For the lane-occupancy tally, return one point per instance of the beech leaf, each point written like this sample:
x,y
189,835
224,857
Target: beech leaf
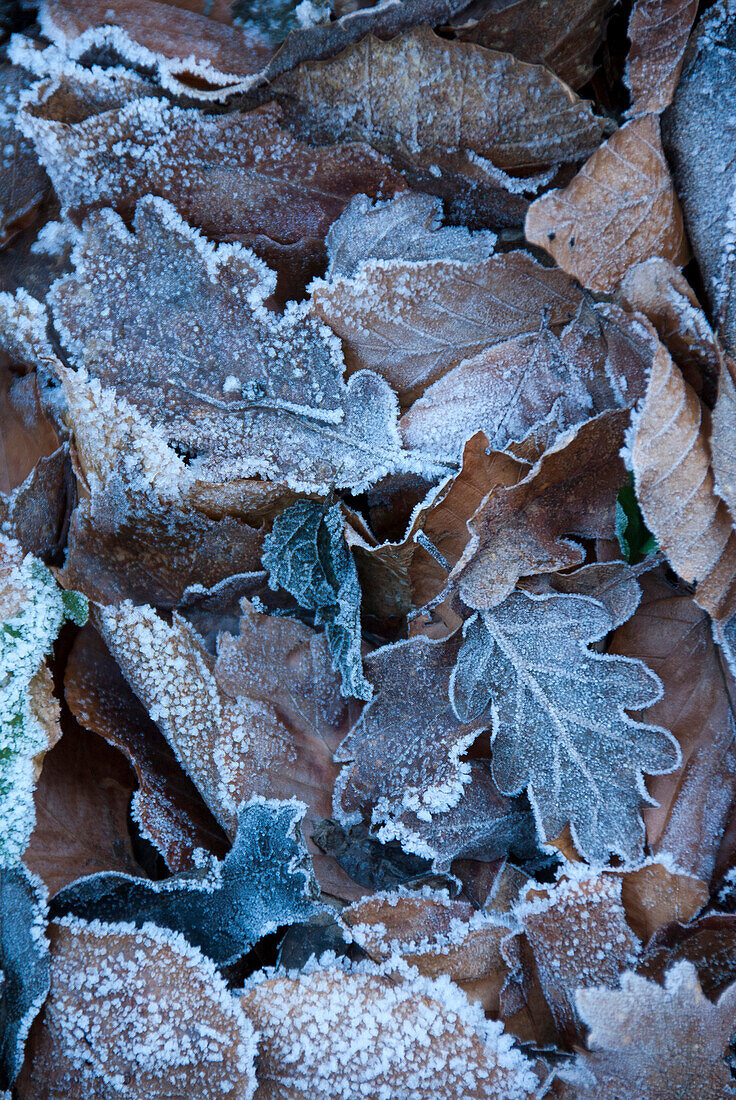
x,y
658,32
306,554
557,710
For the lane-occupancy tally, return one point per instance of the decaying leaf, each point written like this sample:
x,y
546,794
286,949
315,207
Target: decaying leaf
x,y
82,801
136,1013
709,943
619,210
23,182
306,554
412,322
674,637
699,135
558,716
180,329
24,964
658,1043
32,611
658,32
675,487
378,1031
406,227
264,882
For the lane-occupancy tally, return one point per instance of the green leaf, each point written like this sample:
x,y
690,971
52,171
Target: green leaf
x,y
634,537
306,554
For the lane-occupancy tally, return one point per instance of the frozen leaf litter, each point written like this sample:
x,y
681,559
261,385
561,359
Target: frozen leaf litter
x,y
367,568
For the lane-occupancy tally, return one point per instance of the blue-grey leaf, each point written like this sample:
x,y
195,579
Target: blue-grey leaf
x,y
306,554
265,882
24,964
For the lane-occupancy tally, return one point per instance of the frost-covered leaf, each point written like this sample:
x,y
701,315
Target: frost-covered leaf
x,y
307,555
709,943
406,227
264,882
558,718
26,434
36,513
24,964
699,135
82,801
612,583
436,935
564,36
237,177
180,329
167,806
523,529
412,322
658,1043
545,382
378,1031
368,861
723,436
658,32
674,484
23,182
619,210
634,537
136,1013
674,637
32,611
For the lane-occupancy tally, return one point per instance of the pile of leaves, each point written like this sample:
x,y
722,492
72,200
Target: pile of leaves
x,y
367,550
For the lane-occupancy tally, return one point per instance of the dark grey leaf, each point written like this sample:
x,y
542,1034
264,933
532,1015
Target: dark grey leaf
x,y
24,964
264,882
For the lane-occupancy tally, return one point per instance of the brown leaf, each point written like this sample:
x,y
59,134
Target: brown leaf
x,y
520,530
658,1043
675,488
655,894
658,32
564,35
674,637
82,801
544,383
26,434
657,289
438,936
414,322
23,182
372,1032
513,118
136,1013
619,210
723,436
709,943
167,806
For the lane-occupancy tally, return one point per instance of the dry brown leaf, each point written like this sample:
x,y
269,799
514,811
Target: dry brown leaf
x,y
23,182
674,483
656,894
658,32
167,806
536,384
36,514
564,35
413,322
26,435
674,637
709,943
136,1013
619,210
436,935
657,289
521,530
723,435
82,801
658,1043
373,1031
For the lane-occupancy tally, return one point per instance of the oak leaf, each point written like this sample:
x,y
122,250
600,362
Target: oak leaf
x,y
619,210
558,716
658,32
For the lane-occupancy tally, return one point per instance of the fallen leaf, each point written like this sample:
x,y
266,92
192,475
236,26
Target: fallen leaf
x,y
369,862
412,322
265,882
26,434
723,436
709,943
82,801
167,805
191,345
620,210
699,136
372,1031
670,458
36,513
136,1013
521,529
564,35
658,32
24,964
525,669
674,637
23,182
658,1043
